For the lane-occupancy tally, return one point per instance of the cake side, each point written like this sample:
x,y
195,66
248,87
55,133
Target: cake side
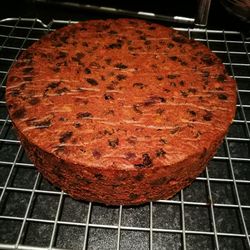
x,y
118,186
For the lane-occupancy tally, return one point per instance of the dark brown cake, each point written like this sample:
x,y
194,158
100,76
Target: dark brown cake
x,y
120,111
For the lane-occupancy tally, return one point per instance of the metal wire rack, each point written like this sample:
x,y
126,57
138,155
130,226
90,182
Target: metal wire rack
x,y
213,213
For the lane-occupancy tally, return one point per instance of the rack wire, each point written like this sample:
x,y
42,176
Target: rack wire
x,y
213,213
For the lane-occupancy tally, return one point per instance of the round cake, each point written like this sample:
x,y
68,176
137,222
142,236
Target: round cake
x,y
120,111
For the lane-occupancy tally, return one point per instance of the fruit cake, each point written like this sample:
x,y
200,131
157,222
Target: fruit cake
x,y
120,111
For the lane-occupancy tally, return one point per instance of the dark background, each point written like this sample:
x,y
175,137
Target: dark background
x,y
219,18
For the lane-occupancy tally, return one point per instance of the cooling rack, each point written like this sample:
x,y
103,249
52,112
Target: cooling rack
x,y
213,213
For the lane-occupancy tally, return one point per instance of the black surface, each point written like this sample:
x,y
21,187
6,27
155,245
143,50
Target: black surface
x,y
219,18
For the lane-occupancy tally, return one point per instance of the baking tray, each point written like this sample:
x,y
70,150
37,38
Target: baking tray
x,y
212,213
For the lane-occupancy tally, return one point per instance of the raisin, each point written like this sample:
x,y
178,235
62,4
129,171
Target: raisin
x,y
129,42
221,78
111,86
183,63
139,32
163,141
181,83
56,69
208,116
108,61
108,97
162,42
131,48
143,37
172,76
160,111
183,93
136,108
77,125
138,85
78,57
92,81
64,39
170,45
58,44
121,77
34,101
160,153
96,154
151,28
197,134
84,115
133,196
146,160
28,78
219,89
99,176
222,96
28,70
139,177
62,90
130,155
40,124
192,90
205,74
191,112
147,42
108,132
65,136
173,58
62,54
121,66
173,84
122,176
15,93
154,99
14,78
87,71
85,44
113,32
62,119
113,143
83,179
19,113
159,78
174,130
115,46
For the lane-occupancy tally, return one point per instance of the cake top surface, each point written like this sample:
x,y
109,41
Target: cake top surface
x,y
120,93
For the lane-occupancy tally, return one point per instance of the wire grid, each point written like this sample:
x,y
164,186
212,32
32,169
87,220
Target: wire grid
x,y
213,213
